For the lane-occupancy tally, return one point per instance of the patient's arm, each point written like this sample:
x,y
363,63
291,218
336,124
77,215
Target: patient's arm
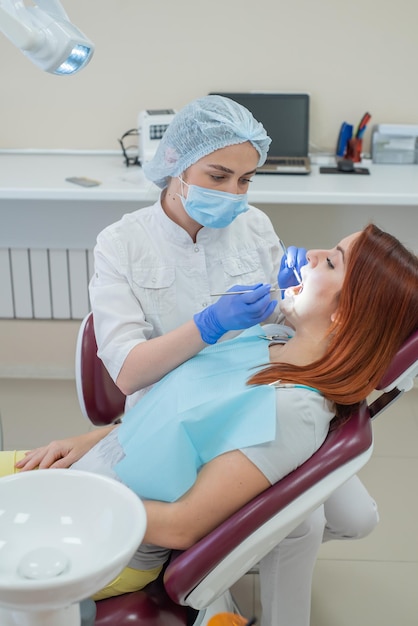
x,y
62,453
222,487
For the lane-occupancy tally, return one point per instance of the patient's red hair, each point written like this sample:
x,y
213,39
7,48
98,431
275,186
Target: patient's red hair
x,y
377,311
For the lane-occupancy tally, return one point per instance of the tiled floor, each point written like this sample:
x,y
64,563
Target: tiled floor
x,y
363,583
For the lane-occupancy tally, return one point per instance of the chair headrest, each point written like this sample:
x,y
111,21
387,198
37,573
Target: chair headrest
x,y
404,367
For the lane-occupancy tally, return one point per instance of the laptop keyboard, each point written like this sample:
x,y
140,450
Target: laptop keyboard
x,y
287,161
285,165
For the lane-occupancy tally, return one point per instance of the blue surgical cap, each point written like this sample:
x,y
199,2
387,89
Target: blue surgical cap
x,y
200,128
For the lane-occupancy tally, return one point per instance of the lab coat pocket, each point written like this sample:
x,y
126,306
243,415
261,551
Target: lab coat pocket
x,y
155,289
245,270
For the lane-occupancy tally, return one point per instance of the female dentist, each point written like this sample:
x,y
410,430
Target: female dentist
x,y
152,296
160,266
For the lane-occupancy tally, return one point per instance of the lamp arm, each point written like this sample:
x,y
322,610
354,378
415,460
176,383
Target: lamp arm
x,y
53,7
16,26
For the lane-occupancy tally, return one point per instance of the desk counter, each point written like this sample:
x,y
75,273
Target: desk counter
x,y
31,176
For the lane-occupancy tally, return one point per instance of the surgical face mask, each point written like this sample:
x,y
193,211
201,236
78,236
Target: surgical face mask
x,y
215,209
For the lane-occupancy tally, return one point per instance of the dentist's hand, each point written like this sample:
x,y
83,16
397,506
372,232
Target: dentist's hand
x,y
295,259
235,312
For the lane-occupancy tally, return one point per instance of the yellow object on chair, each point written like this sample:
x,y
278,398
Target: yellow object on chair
x,y
8,460
128,580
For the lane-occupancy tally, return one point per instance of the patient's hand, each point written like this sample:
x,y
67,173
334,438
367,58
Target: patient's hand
x,y
62,453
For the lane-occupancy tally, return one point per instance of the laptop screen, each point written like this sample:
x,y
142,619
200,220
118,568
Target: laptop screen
x,y
285,116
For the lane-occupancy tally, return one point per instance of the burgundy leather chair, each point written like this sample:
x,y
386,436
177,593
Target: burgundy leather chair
x,y
198,577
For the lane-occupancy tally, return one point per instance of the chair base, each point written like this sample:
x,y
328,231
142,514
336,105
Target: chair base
x,y
153,607
150,606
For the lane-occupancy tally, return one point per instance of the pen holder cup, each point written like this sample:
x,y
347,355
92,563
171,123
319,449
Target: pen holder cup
x,y
354,148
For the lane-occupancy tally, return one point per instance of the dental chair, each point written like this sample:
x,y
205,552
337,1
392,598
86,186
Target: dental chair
x,y
196,580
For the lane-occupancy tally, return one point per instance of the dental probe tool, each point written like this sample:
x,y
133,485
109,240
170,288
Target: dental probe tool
x,y
236,293
294,270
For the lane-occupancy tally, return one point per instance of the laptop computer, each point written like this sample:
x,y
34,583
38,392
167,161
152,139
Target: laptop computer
x,y
285,116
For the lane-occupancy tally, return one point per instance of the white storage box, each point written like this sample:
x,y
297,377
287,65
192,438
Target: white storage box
x,y
395,143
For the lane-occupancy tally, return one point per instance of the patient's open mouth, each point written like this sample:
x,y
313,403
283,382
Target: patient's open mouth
x,y
294,291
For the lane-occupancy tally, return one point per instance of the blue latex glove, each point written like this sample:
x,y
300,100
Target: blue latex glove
x,y
295,258
235,312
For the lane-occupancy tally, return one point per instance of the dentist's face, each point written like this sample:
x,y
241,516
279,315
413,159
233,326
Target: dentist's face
x,y
227,169
322,279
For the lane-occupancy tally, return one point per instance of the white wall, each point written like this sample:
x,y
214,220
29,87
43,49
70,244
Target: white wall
x,y
351,57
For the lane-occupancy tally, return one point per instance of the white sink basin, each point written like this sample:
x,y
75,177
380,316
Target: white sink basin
x,y
64,534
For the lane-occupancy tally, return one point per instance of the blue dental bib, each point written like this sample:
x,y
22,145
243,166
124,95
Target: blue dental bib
x,y
198,411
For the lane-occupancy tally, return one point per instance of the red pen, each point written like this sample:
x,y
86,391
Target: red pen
x,y
363,122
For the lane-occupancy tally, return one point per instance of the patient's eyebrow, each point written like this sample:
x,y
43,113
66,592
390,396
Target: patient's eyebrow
x,y
342,252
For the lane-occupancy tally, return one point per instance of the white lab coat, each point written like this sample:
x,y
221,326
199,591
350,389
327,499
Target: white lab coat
x,y
150,277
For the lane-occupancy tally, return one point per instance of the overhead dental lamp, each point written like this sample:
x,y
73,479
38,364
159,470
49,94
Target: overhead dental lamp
x,y
44,33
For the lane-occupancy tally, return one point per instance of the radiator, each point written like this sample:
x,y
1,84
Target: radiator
x,y
44,284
